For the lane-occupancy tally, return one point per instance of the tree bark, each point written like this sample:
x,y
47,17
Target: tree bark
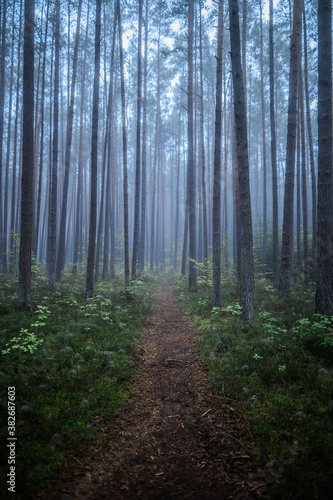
x,y
273,151
124,133
24,291
190,160
136,236
94,157
324,289
310,139
69,135
288,209
246,271
144,151
217,298
55,145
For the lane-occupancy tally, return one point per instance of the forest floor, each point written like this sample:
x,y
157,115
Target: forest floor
x,y
171,439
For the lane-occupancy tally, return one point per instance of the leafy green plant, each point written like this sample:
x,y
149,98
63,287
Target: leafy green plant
x,y
25,342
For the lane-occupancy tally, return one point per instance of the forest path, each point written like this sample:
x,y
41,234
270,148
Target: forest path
x,y
172,440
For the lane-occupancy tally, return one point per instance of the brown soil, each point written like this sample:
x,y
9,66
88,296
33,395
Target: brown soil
x,y
173,440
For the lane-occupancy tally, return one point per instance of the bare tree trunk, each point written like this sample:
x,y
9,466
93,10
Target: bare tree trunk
x,y
191,165
79,191
273,151
144,151
12,263
136,236
177,195
310,139
2,102
246,275
304,183
94,157
217,298
288,209
264,160
9,136
202,158
69,135
24,291
53,201
324,292
123,112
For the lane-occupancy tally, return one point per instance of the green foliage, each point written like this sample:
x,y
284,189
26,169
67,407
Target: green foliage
x,y
71,368
277,374
26,342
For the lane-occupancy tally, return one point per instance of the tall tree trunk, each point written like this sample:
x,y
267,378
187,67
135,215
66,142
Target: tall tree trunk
x,y
12,263
152,226
125,181
2,103
310,140
79,191
24,291
144,151
298,200
202,156
94,157
288,209
246,274
190,160
177,195
264,162
54,190
41,153
273,151
304,183
136,236
106,165
217,299
9,136
69,135
324,291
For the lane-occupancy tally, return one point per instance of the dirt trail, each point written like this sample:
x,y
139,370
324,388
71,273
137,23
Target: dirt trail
x,y
172,441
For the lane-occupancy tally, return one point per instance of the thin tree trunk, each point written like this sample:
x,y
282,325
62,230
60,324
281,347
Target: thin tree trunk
x,y
106,164
310,139
69,135
125,181
79,191
136,236
12,263
202,156
177,195
2,102
24,291
53,201
264,160
273,151
41,153
217,298
9,136
144,151
94,158
190,160
304,183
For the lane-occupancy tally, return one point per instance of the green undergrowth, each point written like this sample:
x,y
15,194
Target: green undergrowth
x,y
277,373
71,361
